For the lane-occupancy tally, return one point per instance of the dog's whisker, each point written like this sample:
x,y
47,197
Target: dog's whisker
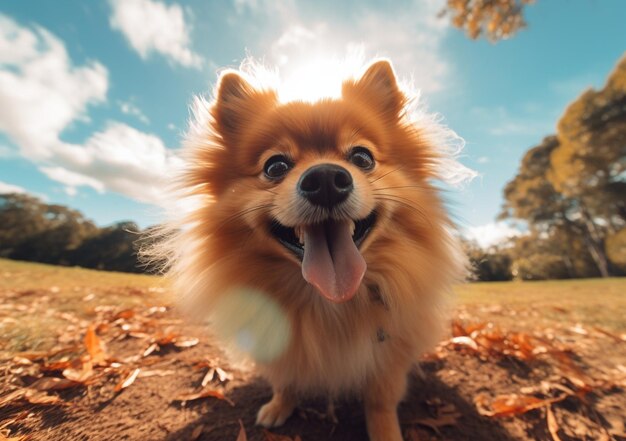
x,y
386,174
406,203
242,213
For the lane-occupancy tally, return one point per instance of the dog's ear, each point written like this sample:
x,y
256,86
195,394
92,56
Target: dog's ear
x,y
237,103
378,88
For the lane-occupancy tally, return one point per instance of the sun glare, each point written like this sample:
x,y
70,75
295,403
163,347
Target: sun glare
x,y
316,78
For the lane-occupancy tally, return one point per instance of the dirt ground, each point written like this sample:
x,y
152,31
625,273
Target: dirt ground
x,y
114,361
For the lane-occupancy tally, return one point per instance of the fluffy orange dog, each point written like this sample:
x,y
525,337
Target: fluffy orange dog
x,y
326,211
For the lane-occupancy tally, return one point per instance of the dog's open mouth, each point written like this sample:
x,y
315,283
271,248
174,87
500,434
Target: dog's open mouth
x,y
329,251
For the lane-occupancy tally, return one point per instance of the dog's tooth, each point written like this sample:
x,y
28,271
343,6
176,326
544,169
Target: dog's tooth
x,y
300,234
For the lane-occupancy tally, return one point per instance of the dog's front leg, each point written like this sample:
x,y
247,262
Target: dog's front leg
x,y
381,398
279,408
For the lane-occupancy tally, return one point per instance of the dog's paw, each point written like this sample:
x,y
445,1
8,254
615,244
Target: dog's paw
x,y
274,413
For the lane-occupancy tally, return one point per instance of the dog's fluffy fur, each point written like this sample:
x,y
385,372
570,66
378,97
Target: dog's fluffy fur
x,y
367,344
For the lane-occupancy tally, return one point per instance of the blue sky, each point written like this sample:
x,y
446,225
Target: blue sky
x,y
94,95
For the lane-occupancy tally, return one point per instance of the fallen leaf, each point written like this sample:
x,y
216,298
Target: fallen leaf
x,y
195,434
9,398
204,393
223,375
242,433
53,383
94,346
150,349
464,341
124,314
127,381
30,395
553,427
23,361
37,397
442,420
621,338
155,373
208,377
80,370
185,342
512,404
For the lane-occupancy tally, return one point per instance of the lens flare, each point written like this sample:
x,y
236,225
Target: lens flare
x,y
254,323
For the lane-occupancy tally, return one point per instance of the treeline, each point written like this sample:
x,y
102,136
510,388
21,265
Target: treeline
x,y
35,231
569,195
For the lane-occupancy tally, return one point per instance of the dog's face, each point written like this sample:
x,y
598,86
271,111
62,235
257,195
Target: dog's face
x,y
318,183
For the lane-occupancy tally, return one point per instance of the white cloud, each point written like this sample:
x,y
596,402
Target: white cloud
x,y
122,159
483,160
71,179
152,26
410,36
42,93
490,234
10,188
129,108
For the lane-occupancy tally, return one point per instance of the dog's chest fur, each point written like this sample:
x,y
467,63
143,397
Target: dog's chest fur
x,y
336,348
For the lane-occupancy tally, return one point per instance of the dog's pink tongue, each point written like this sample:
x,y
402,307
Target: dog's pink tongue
x,y
332,262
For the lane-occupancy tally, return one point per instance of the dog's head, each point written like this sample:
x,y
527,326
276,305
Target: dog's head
x,y
317,184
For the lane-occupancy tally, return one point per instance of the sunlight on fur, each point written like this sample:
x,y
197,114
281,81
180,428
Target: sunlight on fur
x,y
253,322
317,240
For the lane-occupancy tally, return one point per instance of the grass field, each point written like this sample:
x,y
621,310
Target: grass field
x,y
593,302
582,323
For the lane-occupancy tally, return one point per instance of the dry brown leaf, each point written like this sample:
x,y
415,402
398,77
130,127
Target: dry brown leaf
x,y
204,393
80,370
55,366
185,342
94,346
195,434
155,373
9,398
464,341
127,381
22,361
208,377
37,397
512,404
31,395
443,420
150,349
223,375
242,433
553,426
124,314
621,338
54,383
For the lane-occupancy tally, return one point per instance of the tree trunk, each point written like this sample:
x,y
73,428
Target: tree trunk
x,y
594,243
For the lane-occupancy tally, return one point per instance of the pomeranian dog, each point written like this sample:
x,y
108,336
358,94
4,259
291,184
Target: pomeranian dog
x,y
317,241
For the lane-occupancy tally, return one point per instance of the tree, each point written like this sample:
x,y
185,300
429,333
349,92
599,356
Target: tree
x,y
495,19
33,230
572,185
112,248
488,265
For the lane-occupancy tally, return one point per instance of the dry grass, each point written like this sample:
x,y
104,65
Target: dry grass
x,y
39,301
592,302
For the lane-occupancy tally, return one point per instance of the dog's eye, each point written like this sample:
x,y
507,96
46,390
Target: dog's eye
x,y
276,167
362,158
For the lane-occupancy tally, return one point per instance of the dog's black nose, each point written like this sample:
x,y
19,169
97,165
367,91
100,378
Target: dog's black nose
x,y
326,185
